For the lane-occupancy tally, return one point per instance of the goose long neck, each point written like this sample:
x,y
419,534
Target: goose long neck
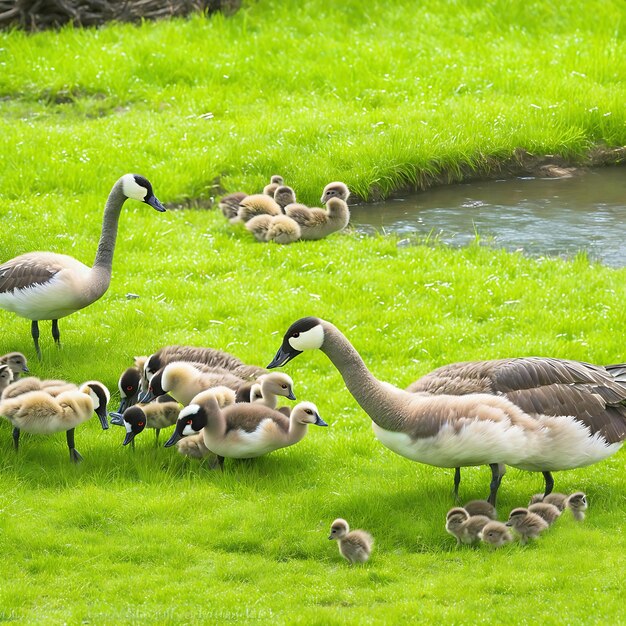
x,y
297,430
377,399
216,423
106,246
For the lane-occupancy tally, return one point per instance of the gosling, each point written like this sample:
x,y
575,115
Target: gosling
x,y
547,511
463,526
355,546
577,504
558,499
6,377
280,229
16,362
275,182
495,534
137,418
481,507
50,386
528,525
256,204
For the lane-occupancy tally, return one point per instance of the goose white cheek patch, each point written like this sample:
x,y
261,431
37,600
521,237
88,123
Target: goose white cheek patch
x,y
132,189
309,340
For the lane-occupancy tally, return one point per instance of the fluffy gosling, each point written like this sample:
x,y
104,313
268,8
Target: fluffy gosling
x,y
355,546
495,534
528,525
558,499
16,362
463,526
6,377
547,511
481,507
577,503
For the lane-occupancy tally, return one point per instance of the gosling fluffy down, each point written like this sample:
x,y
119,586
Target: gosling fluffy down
x,y
495,534
463,526
547,511
481,507
577,503
555,498
257,204
355,546
16,362
528,525
278,228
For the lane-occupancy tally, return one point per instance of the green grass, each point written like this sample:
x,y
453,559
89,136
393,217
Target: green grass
x,y
151,537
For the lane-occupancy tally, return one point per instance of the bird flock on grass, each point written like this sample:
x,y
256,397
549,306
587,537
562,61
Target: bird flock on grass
x,y
538,414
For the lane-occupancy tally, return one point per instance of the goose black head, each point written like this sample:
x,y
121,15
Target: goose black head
x,y
305,334
139,188
128,385
191,420
155,388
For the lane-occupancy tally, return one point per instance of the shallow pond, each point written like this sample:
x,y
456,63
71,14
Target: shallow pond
x,y
540,216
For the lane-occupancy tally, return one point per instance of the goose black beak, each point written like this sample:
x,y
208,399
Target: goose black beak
x,y
117,419
172,440
155,204
101,412
282,358
129,437
319,421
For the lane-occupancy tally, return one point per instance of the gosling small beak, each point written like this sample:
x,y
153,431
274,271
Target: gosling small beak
x,y
129,437
282,358
330,536
291,396
25,369
155,204
172,440
508,524
101,412
319,421
117,419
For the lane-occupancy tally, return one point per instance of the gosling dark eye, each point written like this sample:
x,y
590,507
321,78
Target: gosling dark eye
x,y
284,386
308,411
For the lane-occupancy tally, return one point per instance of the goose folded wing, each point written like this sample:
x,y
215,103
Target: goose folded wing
x,y
25,273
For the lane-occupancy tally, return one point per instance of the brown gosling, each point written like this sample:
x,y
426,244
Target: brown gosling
x,y
355,546
284,195
577,504
259,226
16,362
51,386
6,377
558,499
275,182
495,534
463,526
283,230
528,525
229,204
318,223
256,204
481,507
547,511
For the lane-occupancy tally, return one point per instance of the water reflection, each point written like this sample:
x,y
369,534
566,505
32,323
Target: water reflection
x,y
541,216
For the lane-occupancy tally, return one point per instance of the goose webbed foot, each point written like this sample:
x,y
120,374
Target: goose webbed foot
x,y
56,335
16,438
34,331
549,483
457,482
75,456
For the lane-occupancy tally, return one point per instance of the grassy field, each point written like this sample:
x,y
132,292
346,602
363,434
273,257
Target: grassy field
x,y
150,537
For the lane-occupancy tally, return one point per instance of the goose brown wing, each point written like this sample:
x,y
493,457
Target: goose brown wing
x,y
26,271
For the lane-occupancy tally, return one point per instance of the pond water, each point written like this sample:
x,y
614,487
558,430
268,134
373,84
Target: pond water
x,y
539,216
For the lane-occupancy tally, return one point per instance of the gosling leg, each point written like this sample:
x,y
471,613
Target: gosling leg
x,y
549,483
157,432
34,331
55,332
16,438
75,456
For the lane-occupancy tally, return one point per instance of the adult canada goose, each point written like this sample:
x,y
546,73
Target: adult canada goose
x,y
40,413
318,223
256,204
183,381
528,525
6,377
208,356
547,511
137,418
481,507
463,526
275,182
354,545
557,499
495,534
244,430
51,386
16,362
534,413
577,503
48,286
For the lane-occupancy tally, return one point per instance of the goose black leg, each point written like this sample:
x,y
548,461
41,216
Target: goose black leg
x,y
34,331
55,332
549,483
16,438
496,479
74,454
218,462
457,482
